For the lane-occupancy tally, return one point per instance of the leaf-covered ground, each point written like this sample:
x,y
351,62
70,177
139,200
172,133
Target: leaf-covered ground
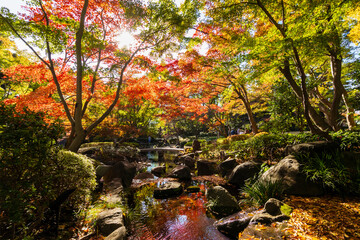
x,y
329,217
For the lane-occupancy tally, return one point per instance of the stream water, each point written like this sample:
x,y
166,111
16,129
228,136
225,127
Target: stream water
x,y
183,217
179,218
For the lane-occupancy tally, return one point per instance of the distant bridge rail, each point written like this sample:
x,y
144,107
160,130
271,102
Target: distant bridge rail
x,y
162,149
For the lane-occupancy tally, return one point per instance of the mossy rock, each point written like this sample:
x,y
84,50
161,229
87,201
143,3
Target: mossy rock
x,y
97,144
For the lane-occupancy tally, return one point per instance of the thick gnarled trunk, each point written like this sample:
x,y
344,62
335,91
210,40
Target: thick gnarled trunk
x,y
76,141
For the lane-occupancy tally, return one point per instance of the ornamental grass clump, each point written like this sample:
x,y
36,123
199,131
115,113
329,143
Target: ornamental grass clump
x,y
260,191
329,169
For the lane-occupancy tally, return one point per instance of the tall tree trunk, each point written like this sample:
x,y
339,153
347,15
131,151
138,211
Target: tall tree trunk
x,y
334,48
349,112
336,67
77,141
314,116
339,89
306,103
242,94
254,127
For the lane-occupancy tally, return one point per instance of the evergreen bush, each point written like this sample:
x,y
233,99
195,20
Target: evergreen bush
x,y
34,171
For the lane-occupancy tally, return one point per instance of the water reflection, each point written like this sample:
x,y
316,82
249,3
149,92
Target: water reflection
x,y
175,218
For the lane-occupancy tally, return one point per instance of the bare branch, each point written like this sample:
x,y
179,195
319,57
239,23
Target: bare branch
x,y
23,40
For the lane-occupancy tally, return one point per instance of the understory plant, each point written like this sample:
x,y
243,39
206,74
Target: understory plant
x,y
34,172
268,146
328,169
260,191
348,140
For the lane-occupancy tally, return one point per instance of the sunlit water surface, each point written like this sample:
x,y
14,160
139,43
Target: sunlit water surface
x,y
180,218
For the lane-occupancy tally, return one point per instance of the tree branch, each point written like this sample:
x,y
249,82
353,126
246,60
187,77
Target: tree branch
x,y
52,69
79,69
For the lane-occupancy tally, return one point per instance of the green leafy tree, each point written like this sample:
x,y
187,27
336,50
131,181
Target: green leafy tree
x,y
10,55
294,38
285,108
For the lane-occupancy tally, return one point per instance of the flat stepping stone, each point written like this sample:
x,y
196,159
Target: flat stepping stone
x,y
110,220
168,189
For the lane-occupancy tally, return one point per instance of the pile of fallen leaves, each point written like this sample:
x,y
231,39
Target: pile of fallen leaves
x,y
328,217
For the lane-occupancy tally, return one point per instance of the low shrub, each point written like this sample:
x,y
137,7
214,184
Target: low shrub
x,y
268,146
304,137
34,172
271,146
97,144
262,146
240,137
222,141
349,140
188,144
77,171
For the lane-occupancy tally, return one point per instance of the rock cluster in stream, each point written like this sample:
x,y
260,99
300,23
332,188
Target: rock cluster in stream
x,y
287,172
110,222
117,168
274,211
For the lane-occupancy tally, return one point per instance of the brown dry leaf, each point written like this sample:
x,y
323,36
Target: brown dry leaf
x,y
328,217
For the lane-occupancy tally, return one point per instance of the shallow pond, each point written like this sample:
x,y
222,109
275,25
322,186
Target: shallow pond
x,y
182,218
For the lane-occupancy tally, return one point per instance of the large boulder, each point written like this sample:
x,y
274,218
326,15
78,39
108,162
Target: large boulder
x,y
118,234
274,211
181,173
227,166
179,158
206,168
351,161
110,220
88,151
288,173
275,231
168,189
312,148
188,161
276,207
158,171
102,170
232,225
221,202
114,191
144,175
265,218
243,172
124,170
